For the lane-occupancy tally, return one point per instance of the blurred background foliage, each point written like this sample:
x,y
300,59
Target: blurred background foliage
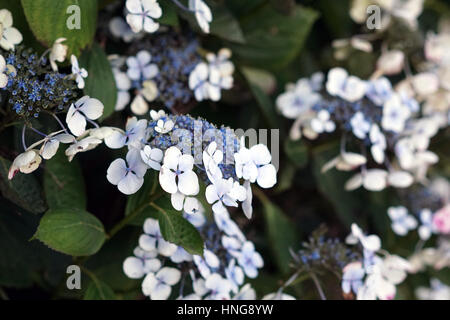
x,y
273,42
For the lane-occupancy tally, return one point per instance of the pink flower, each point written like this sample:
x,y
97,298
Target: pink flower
x,y
441,220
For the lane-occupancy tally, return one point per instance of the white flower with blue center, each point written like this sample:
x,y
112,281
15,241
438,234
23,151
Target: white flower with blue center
x,y
142,14
250,260
352,279
298,99
152,157
129,175
159,286
426,228
135,131
402,221
322,122
218,287
51,144
395,114
79,73
360,126
224,192
379,91
140,67
143,263
153,241
202,14
177,175
85,109
254,164
9,36
349,88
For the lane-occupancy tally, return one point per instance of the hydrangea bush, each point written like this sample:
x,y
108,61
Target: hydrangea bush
x,y
224,150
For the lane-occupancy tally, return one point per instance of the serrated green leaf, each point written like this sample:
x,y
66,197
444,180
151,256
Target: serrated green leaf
x,y
71,231
48,19
24,190
177,229
100,83
63,183
297,152
98,290
273,39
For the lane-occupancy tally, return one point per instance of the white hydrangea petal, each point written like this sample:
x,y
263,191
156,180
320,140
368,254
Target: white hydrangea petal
x,y
130,184
133,268
267,176
147,242
188,183
168,275
117,170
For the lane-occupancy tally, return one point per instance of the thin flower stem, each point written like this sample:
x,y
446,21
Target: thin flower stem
x,y
317,284
59,122
3,295
93,123
38,132
182,6
23,138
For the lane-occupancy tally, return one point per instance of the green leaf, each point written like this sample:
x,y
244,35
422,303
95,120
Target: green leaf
x,y
331,184
23,262
273,39
98,290
264,102
24,190
282,233
224,24
297,152
71,231
177,229
169,16
100,83
50,20
148,203
63,183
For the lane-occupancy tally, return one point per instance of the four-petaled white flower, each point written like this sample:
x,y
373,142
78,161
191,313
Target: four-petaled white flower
x,y
9,36
153,241
254,165
352,279
3,75
84,108
143,263
212,157
322,122
378,141
152,157
129,175
371,243
202,14
140,68
360,126
159,286
132,137
58,53
141,15
25,162
218,287
298,99
51,144
347,87
426,228
123,84
379,91
164,126
180,202
225,192
250,260
395,114
199,82
79,73
176,173
402,221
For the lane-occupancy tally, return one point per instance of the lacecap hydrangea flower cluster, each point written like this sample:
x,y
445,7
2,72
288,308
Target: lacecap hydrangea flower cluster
x,y
371,115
